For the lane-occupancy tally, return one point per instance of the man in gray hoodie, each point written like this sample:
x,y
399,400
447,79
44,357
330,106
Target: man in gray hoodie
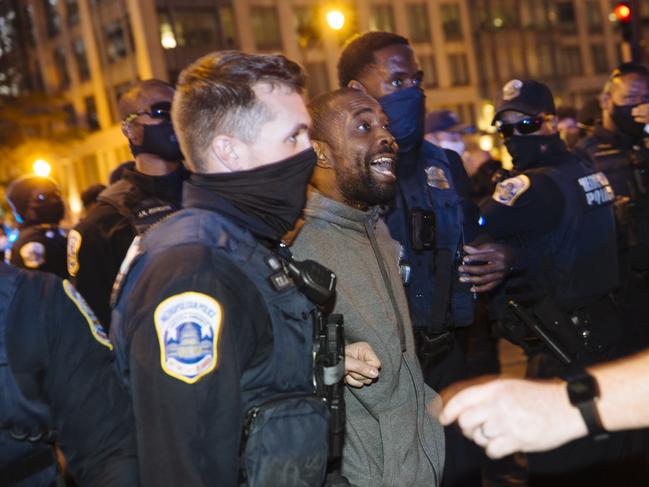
x,y
392,439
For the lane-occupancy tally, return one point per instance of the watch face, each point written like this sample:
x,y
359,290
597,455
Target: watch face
x,y
582,389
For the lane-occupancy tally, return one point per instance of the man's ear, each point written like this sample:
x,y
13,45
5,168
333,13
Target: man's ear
x,y
357,85
223,149
324,154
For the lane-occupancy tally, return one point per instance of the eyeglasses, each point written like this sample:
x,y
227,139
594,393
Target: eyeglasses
x,y
160,111
524,127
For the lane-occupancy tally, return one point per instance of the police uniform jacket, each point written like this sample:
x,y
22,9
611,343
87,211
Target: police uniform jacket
x,y
558,216
434,180
58,382
391,440
206,331
40,247
98,244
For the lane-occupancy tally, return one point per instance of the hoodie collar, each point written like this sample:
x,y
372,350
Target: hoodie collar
x,y
320,207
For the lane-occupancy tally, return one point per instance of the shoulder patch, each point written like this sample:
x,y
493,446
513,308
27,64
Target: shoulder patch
x,y
32,254
188,326
94,324
509,190
74,244
436,178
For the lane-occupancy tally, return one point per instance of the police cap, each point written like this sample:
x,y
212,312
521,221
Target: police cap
x,y
526,96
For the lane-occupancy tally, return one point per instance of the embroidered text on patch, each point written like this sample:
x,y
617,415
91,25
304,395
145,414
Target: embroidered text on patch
x,y
509,190
597,189
188,327
95,325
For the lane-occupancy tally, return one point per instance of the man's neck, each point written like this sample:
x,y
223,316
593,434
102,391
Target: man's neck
x,y
153,165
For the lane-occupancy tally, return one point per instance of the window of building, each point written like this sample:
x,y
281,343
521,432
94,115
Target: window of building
x,y
307,28
265,26
82,60
228,26
570,61
600,62
382,18
593,16
195,27
418,22
565,15
92,119
52,19
72,7
506,14
430,71
451,21
459,69
61,67
317,81
538,13
116,41
71,116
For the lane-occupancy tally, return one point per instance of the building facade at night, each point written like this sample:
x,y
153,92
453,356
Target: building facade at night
x,y
89,51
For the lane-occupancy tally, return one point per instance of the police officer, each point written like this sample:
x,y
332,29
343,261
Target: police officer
x,y
557,212
144,194
38,208
618,147
58,386
213,337
431,216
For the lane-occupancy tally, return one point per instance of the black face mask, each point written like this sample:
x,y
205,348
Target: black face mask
x,y
274,194
160,140
528,149
405,111
624,121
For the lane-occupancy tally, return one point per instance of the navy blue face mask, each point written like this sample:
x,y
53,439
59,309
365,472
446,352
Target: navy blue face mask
x,y
405,111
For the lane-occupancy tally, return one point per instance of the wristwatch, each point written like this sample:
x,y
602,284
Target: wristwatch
x,y
583,391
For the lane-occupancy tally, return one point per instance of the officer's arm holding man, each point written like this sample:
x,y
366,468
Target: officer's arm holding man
x,y
509,415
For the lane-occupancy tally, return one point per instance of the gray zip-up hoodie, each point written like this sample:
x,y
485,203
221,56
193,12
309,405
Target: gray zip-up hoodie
x,y
391,438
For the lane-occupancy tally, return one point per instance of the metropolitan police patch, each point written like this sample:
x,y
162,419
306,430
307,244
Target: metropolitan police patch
x,y
74,244
96,328
188,327
32,254
509,190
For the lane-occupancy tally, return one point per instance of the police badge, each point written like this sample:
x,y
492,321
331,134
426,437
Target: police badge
x,y
435,178
188,327
512,89
74,244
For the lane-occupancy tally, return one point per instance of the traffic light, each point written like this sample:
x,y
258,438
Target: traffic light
x,y
624,15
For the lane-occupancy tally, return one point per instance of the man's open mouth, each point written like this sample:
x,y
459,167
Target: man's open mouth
x,y
384,164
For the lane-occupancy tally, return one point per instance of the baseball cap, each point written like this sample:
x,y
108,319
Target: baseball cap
x,y
526,96
445,121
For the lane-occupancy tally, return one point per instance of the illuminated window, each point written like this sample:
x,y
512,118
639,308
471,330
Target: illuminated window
x,y
418,22
382,18
265,26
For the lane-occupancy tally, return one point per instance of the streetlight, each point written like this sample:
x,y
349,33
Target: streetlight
x,y
42,168
335,19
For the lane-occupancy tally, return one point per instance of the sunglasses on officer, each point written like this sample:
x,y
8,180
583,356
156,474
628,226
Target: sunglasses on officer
x,y
525,126
159,111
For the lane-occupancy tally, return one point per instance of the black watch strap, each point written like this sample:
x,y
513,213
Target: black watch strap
x,y
583,391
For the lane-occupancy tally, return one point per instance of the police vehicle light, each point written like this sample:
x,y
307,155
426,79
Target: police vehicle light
x,y
622,12
481,221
